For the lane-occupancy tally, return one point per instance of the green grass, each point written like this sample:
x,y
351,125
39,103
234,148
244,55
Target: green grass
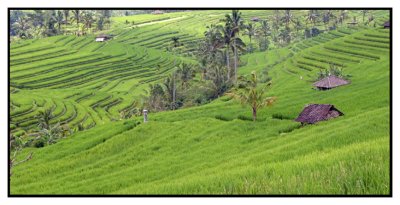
x,y
209,149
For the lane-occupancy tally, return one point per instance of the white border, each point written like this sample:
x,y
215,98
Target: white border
x,y
194,3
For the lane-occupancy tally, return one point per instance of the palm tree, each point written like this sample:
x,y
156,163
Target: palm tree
x,y
170,90
66,15
265,31
235,21
175,43
287,18
44,117
21,26
342,16
88,19
276,20
52,133
364,13
76,17
100,23
252,95
228,38
211,47
250,31
328,15
312,16
186,73
297,25
218,81
285,35
59,19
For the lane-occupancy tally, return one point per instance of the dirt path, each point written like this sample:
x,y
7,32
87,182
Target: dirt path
x,y
156,22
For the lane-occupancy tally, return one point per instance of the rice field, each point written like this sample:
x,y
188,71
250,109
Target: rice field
x,y
209,149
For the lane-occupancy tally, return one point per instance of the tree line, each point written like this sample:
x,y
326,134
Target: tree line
x,y
220,49
45,23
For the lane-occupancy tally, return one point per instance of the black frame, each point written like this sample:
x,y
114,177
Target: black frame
x,y
390,9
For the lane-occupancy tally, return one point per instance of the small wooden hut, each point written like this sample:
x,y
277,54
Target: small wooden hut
x,y
330,82
102,38
386,25
314,113
157,12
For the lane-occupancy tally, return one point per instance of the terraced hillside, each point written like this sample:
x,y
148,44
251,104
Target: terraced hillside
x,y
89,83
210,149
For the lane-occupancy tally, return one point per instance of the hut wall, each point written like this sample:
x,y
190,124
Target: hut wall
x,y
332,114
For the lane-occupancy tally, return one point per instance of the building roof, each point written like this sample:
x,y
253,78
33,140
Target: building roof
x,y
330,82
317,112
158,12
386,24
103,36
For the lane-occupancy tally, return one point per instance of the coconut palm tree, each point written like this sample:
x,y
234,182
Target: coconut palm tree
x,y
21,26
312,16
287,18
264,31
59,17
297,25
88,19
185,73
175,44
364,13
228,38
76,18
250,31
342,16
276,20
169,86
212,44
327,17
218,81
44,117
236,22
285,36
66,15
252,95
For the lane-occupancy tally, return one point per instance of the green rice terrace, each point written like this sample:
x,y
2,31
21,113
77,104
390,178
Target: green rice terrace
x,y
78,100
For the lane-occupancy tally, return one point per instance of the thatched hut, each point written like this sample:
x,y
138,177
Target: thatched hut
x,y
386,25
156,12
318,112
102,37
330,82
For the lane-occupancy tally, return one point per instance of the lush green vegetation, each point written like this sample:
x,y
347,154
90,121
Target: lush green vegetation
x,y
203,142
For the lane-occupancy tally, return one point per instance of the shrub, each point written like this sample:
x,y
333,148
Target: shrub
x,y
242,117
289,128
39,143
223,118
280,116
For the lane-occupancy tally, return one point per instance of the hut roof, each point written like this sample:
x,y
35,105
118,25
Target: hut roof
x,y
103,36
318,112
330,82
386,24
157,12
255,19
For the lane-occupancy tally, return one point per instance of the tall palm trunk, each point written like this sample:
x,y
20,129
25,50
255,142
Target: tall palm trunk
x,y
227,62
173,93
235,63
173,86
254,114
